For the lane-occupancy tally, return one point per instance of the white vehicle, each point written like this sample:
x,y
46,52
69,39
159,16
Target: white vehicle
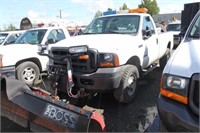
x,y
122,48
175,28
178,103
22,56
9,37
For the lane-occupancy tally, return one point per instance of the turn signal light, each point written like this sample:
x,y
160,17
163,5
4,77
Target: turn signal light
x,y
174,96
83,57
106,64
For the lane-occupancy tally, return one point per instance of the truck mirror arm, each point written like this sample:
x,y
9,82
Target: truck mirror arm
x,y
147,34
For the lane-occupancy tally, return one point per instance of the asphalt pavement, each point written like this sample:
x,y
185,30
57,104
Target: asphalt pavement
x,y
138,116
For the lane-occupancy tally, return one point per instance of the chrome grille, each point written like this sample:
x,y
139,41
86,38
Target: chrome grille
x,y
194,93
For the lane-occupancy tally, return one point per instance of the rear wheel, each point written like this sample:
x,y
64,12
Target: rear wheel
x,y
126,91
165,58
28,72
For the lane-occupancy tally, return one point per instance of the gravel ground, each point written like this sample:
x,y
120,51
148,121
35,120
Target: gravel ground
x,y
134,117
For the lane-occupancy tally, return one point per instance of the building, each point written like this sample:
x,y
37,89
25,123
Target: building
x,y
166,17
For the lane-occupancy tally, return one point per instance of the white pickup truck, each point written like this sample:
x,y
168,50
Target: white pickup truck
x,y
22,56
122,48
178,102
9,37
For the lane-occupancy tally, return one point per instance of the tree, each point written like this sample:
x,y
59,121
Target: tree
x,y
98,14
124,7
151,5
10,27
110,9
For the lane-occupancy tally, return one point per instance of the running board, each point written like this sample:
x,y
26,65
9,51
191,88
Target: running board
x,y
149,69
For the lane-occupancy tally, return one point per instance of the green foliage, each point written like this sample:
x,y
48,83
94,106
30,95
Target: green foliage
x,y
110,9
124,7
98,14
151,5
10,27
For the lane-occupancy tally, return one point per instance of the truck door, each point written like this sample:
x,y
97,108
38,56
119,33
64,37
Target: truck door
x,y
150,41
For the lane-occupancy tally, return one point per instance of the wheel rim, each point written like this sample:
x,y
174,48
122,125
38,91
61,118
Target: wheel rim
x,y
131,85
29,74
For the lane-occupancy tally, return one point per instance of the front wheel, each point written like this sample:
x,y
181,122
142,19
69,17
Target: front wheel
x,y
28,72
127,88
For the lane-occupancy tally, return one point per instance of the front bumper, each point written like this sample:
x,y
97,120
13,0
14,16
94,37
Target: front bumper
x,y
7,71
177,116
103,79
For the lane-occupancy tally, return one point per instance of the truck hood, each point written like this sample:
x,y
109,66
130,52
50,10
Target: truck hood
x,y
186,60
16,48
102,42
17,52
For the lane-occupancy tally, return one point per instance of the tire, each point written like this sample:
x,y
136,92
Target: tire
x,y
164,59
162,127
126,91
28,72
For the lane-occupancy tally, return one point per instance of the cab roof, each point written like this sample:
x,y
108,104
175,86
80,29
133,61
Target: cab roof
x,y
126,14
12,32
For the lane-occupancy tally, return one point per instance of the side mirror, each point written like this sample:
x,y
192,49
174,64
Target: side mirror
x,y
41,48
6,42
51,41
147,33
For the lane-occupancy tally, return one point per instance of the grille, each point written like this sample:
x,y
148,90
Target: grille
x,y
194,93
78,65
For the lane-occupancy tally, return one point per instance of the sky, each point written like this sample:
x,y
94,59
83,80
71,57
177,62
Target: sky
x,y
79,11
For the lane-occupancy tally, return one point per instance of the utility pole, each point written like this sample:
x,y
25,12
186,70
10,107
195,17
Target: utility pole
x,y
60,14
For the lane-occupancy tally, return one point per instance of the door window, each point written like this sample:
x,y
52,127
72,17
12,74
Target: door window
x,y
56,35
147,25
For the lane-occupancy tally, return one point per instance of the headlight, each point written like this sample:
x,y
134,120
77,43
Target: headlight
x,y
108,60
174,87
78,49
176,82
1,60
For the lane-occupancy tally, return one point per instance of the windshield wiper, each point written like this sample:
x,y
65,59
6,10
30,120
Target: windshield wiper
x,y
89,33
111,31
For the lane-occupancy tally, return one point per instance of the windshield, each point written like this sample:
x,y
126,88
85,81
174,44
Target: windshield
x,y
174,27
31,37
124,24
195,30
3,37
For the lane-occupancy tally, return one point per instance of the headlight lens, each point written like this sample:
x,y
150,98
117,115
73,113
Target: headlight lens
x,y
176,82
78,49
108,60
174,87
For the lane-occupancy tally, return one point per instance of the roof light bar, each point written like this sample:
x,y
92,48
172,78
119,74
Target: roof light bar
x,y
109,13
138,10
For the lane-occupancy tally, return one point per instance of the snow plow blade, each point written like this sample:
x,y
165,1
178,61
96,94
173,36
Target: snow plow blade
x,y
42,113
